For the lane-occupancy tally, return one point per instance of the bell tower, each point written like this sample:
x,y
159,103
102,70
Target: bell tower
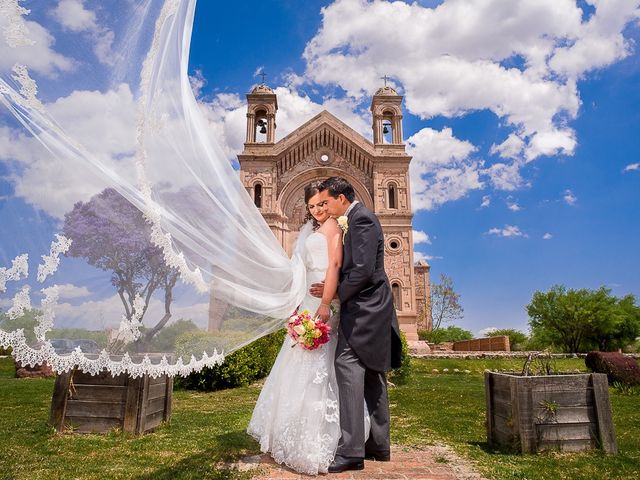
x,y
258,169
262,106
386,108
392,200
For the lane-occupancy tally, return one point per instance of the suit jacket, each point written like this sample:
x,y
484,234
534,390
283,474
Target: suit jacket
x,y
367,314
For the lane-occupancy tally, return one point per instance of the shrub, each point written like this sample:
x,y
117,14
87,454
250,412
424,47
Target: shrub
x,y
448,334
517,339
5,351
618,367
165,340
399,376
633,347
192,341
239,368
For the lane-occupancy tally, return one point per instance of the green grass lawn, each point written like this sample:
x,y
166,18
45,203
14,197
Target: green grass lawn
x,y
207,429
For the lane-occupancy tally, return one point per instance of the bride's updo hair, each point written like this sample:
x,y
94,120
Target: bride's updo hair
x,y
309,191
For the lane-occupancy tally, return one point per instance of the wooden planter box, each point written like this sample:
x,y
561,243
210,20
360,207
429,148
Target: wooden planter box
x,y
84,403
560,412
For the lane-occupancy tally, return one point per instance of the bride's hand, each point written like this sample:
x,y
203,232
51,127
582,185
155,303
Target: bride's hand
x,y
323,313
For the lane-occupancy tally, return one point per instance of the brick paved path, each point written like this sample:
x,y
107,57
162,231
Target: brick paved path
x,y
430,463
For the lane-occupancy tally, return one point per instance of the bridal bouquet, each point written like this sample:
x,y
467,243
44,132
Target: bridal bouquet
x,y
307,332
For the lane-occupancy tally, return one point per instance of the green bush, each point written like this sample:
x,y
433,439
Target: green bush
x,y
239,368
98,336
399,376
5,351
517,339
633,347
253,362
197,341
448,334
165,340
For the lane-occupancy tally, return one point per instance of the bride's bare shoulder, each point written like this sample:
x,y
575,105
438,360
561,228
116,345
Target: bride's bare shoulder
x,y
330,226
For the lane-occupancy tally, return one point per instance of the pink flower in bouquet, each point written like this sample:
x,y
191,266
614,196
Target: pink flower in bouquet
x,y
307,332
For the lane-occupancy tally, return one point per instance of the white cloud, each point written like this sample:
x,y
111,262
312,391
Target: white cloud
x,y
507,231
72,15
35,49
505,176
513,206
569,197
455,58
632,167
75,17
421,237
486,331
486,201
417,256
68,290
599,41
441,169
197,82
547,236
512,147
102,122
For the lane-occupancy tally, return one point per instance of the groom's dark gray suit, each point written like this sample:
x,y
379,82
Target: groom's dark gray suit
x,y
369,338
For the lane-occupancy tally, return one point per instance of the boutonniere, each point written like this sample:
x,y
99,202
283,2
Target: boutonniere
x,y
343,222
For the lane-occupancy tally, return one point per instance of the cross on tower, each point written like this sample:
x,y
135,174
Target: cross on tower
x,y
262,74
385,78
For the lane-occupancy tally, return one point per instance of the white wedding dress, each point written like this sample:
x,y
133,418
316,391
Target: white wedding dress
x,y
296,417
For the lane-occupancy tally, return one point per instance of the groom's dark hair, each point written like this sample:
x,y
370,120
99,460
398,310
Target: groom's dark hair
x,y
337,186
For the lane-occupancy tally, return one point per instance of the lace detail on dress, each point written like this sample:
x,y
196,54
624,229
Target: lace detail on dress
x,y
19,269
45,319
15,31
322,371
296,418
51,262
21,303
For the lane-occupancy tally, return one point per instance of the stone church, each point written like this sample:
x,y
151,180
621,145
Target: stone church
x,y
275,174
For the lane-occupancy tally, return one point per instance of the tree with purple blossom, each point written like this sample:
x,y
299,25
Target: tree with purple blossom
x,y
112,234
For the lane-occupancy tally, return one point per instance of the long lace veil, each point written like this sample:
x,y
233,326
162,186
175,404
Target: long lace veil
x,y
127,240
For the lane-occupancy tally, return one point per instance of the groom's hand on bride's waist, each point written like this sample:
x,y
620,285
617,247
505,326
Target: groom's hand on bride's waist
x,y
317,289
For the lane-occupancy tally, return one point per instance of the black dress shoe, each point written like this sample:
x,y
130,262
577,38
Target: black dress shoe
x,y
342,464
378,456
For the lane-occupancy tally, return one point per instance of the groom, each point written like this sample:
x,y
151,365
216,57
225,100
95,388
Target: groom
x,y
369,337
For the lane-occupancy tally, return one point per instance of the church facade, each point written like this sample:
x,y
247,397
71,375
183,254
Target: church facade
x,y
275,174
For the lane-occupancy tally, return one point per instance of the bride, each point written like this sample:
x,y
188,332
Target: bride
x,y
296,417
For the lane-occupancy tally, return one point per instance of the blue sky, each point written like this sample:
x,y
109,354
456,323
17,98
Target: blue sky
x,y
521,117
584,199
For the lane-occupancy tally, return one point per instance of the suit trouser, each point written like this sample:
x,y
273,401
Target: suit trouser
x,y
357,384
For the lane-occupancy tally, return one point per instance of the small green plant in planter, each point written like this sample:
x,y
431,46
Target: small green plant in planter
x,y
549,411
550,406
539,364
